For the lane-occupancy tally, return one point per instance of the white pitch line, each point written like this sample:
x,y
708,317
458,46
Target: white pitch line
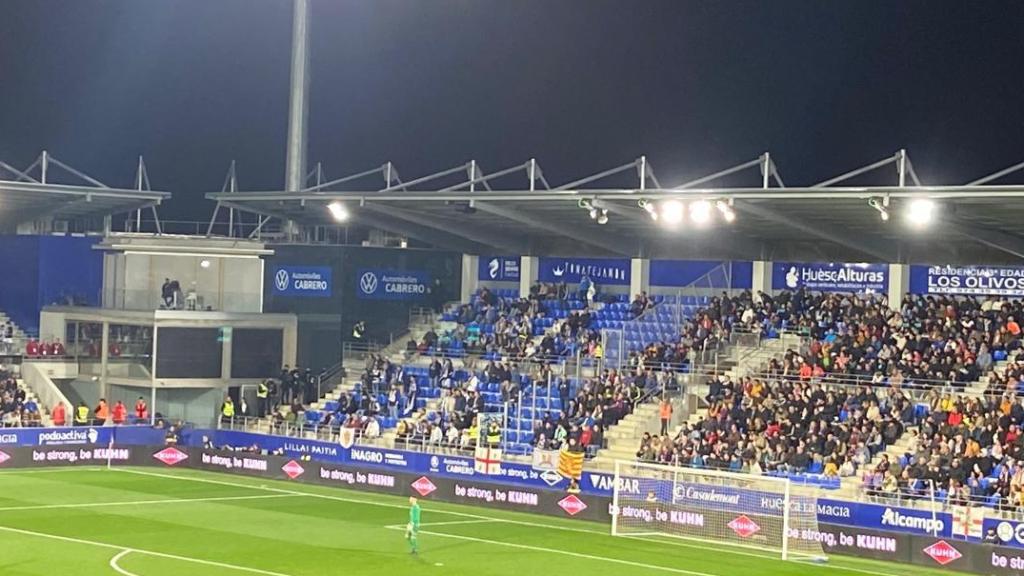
x,y
118,569
125,550
569,553
137,502
18,471
453,522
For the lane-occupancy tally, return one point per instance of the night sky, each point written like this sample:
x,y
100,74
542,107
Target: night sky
x,y
581,85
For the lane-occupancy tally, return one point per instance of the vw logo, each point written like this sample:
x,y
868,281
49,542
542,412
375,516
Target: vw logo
x,y
368,283
281,280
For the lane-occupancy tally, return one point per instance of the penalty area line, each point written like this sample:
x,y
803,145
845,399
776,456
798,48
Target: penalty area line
x,y
147,502
116,558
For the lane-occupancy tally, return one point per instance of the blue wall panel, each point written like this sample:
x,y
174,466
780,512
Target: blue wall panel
x,y
44,270
19,295
70,271
679,273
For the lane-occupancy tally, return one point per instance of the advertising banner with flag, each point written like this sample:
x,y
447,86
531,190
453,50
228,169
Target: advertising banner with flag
x,y
545,459
487,460
570,464
347,437
968,521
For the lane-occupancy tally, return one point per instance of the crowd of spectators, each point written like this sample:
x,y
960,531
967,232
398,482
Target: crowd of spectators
x,y
929,339
968,449
16,410
594,406
765,425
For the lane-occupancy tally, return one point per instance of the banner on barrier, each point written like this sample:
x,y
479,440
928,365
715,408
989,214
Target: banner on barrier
x,y
79,435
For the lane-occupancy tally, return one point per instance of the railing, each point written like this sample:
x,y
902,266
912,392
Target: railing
x,y
305,430
190,299
419,316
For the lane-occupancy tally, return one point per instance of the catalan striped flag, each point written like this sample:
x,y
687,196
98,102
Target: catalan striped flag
x,y
570,464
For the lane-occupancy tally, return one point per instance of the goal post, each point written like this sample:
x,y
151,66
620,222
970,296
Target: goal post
x,y
762,512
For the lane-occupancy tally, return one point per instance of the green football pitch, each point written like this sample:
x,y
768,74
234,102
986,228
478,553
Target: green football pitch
x,y
141,522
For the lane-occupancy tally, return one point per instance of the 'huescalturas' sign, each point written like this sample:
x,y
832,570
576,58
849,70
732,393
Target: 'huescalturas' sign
x,y
831,277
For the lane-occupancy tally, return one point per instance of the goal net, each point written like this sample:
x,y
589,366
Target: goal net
x,y
762,512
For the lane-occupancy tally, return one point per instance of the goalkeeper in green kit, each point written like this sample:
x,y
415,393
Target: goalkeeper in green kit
x,y
413,528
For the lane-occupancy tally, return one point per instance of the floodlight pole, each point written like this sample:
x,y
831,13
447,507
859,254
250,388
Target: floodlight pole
x,y
298,106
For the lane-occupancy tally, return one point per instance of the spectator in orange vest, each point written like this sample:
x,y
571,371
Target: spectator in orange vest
x,y
665,412
141,411
102,412
805,371
120,413
1012,326
59,415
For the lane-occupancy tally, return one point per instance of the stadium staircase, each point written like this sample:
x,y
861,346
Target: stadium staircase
x,y
739,359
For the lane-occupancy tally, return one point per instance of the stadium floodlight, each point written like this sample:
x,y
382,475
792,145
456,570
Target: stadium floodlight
x,y
751,511
672,212
700,212
338,211
728,214
920,212
882,207
650,208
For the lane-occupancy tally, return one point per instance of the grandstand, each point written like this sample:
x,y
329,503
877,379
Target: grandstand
x,y
612,374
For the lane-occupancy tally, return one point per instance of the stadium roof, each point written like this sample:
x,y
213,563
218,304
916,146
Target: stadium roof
x,y
516,210
50,190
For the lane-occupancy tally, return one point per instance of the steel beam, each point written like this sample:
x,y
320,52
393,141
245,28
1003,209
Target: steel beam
x,y
1002,241
865,245
464,230
558,228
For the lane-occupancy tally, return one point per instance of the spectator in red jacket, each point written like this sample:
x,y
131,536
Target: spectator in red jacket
x,y
32,349
57,348
120,413
141,410
59,415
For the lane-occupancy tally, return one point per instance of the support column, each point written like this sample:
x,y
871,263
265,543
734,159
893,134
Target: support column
x,y
105,343
761,277
639,276
470,276
899,284
529,269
